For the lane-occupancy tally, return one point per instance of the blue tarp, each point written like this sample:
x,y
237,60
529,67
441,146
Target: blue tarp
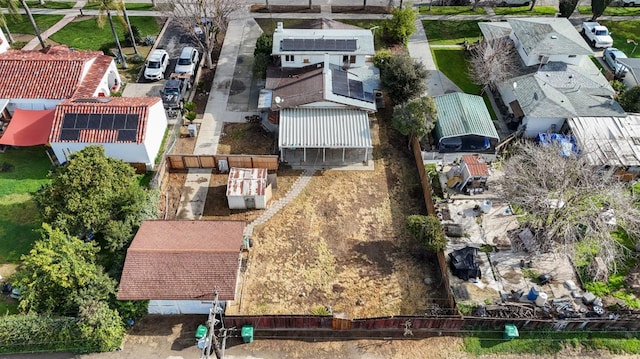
x,y
567,143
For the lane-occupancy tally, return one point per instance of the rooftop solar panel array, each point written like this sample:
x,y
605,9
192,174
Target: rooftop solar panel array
x,y
344,86
318,45
125,124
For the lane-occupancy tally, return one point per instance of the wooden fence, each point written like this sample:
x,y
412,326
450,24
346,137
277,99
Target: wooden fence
x,y
318,327
184,162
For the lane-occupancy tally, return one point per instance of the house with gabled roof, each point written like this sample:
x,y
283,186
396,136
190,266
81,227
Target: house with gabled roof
x,y
40,79
321,95
557,80
464,124
345,45
128,128
177,265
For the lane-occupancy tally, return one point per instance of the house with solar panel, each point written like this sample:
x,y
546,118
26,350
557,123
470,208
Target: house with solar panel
x,y
128,128
321,94
33,82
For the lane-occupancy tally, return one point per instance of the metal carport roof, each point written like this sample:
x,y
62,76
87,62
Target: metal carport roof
x,y
461,114
324,128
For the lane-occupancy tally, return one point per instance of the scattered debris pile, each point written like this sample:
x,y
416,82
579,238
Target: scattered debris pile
x,y
464,263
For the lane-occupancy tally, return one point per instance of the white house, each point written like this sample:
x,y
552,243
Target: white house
x,y
4,43
130,129
176,265
348,46
248,188
542,40
557,81
40,79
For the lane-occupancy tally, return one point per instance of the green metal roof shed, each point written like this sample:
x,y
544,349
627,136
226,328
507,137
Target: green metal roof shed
x,y
464,120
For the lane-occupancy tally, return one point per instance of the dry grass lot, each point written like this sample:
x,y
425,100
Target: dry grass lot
x,y
342,243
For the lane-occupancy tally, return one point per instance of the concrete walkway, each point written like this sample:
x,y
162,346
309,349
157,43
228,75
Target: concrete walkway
x,y
419,49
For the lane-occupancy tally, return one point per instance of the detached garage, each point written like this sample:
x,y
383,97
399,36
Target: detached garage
x,y
247,188
176,265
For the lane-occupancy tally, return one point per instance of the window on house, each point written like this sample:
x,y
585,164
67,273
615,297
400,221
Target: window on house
x,y
571,56
349,59
289,58
306,61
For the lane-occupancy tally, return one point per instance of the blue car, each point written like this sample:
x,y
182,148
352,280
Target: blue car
x,y
611,56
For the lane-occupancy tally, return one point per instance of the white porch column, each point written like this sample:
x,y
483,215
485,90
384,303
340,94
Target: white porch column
x,y
304,154
342,154
323,154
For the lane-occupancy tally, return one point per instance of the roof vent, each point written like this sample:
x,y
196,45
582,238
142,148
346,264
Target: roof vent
x,y
554,37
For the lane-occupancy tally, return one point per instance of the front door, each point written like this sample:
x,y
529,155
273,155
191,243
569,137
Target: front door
x,y
249,202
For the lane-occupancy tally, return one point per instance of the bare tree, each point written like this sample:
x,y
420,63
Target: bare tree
x,y
568,203
203,19
492,62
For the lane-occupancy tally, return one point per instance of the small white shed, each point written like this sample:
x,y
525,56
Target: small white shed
x,y
248,188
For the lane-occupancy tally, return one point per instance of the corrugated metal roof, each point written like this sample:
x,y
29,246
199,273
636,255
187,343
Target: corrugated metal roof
x,y
613,141
247,181
324,128
462,114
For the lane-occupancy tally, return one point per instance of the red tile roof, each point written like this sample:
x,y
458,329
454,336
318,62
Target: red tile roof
x,y
114,105
53,73
182,260
477,166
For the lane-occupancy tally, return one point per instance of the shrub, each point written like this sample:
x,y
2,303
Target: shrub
x,y
32,332
382,57
136,59
630,99
428,231
136,35
264,44
260,65
190,106
190,116
401,26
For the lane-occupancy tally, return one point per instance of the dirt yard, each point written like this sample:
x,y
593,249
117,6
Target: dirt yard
x,y
342,244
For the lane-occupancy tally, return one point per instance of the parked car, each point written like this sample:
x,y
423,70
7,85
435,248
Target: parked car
x,y
630,2
187,61
596,34
173,94
156,65
611,56
513,2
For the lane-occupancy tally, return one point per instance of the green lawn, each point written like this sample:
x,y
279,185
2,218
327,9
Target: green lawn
x,y
612,10
451,32
21,24
17,209
623,30
49,4
130,6
86,35
8,306
549,343
524,10
451,10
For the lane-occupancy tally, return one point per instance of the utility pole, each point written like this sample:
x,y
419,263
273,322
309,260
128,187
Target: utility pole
x,y
212,340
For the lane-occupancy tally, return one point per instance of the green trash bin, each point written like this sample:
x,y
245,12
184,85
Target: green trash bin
x,y
247,333
510,332
201,332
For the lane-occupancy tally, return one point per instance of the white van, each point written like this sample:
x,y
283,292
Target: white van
x,y
187,61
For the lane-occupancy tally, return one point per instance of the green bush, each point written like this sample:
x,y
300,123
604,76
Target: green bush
x,y
264,44
401,26
382,57
260,65
190,116
190,106
630,99
428,231
136,35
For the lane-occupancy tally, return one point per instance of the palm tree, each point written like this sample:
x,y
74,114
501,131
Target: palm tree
x,y
12,8
33,23
104,8
126,17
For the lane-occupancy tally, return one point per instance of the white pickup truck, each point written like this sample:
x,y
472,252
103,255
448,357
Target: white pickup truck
x,y
597,35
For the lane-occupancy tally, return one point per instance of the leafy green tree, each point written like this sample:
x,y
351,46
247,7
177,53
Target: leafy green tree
x,y
401,25
264,44
415,117
428,231
382,57
630,99
60,273
403,78
567,7
597,8
95,197
100,326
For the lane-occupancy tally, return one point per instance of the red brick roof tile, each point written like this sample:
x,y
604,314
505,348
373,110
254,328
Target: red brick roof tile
x,y
182,260
113,105
52,73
